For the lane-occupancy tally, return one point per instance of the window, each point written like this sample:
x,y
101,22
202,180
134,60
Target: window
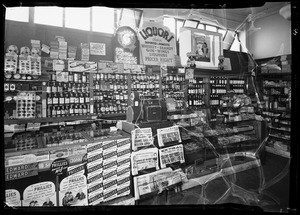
x,y
191,23
170,23
222,31
20,14
48,16
211,28
130,17
78,18
179,24
201,26
103,19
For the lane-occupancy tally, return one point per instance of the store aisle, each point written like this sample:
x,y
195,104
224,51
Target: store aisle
x,y
272,178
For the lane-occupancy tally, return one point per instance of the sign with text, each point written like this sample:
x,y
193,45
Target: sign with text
x,y
157,44
126,48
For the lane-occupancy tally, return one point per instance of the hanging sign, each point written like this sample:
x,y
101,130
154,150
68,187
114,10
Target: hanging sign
x,y
126,46
157,44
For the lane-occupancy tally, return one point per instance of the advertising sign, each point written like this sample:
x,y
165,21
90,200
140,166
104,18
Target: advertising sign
x,y
126,48
157,44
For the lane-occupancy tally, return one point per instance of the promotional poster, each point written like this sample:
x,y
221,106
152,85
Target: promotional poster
x,y
12,198
157,44
40,194
126,46
168,135
170,155
141,137
143,160
204,46
73,191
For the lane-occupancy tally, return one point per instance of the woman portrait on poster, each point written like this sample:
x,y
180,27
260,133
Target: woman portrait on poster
x,y
205,50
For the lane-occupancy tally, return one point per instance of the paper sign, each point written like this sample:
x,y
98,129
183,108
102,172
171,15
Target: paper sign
x,y
157,44
97,49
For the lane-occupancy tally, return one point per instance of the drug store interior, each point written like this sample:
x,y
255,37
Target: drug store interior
x,y
149,105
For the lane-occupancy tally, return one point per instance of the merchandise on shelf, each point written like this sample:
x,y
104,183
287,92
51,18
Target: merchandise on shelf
x,y
173,87
196,93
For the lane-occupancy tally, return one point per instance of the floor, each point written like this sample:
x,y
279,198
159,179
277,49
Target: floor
x,y
266,187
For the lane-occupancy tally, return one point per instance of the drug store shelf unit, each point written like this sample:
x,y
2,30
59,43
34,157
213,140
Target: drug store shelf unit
x,y
279,136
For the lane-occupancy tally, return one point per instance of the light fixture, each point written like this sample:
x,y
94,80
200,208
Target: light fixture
x,y
285,12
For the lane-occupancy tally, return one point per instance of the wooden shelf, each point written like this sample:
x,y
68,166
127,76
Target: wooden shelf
x,y
280,129
274,73
283,138
49,119
278,152
62,119
199,72
245,120
64,146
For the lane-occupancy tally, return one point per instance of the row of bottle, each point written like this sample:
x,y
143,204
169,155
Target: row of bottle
x,y
68,110
144,77
195,100
174,95
218,91
73,77
119,95
109,108
110,85
238,91
237,83
59,87
173,78
144,85
218,81
171,87
109,76
152,93
67,98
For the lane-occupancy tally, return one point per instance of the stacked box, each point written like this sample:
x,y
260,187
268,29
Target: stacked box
x,y
85,51
123,167
36,44
72,52
94,173
54,49
62,50
109,170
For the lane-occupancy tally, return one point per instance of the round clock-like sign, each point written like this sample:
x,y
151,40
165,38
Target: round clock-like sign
x,y
126,37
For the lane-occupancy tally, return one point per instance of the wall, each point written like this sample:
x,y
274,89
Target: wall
x,y
273,39
21,34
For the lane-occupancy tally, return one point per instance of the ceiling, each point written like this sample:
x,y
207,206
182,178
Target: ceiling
x,y
228,18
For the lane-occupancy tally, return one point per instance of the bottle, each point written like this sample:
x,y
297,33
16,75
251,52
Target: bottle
x,y
67,98
61,99
81,98
53,114
70,77
53,87
49,87
87,98
55,99
71,110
